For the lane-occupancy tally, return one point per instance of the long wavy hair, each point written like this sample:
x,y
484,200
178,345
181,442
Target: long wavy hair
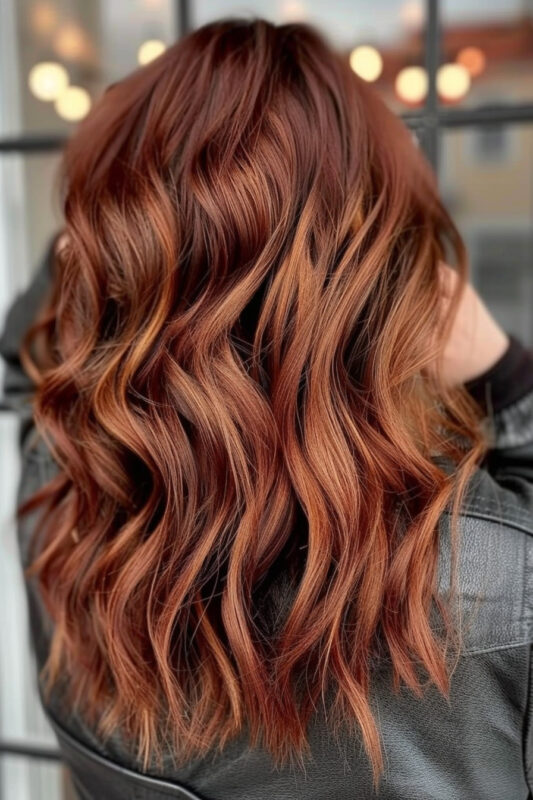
x,y
236,377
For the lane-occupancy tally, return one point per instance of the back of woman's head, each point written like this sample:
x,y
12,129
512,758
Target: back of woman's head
x,y
235,382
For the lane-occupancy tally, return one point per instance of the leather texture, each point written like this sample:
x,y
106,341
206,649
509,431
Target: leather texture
x,y
476,746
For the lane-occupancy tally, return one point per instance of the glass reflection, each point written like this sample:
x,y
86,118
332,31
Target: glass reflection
x,y
487,184
58,55
33,779
493,42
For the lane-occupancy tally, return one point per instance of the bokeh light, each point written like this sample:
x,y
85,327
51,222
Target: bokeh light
x,y
293,11
411,85
366,62
43,17
70,42
473,59
73,104
412,14
453,82
149,50
48,80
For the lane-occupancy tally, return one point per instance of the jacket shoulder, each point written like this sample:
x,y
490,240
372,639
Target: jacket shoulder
x,y
494,563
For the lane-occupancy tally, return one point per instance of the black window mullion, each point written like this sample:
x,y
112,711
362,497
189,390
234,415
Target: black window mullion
x,y
429,115
32,143
183,16
29,750
445,118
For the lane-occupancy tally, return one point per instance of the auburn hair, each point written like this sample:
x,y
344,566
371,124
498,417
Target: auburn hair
x,y
235,374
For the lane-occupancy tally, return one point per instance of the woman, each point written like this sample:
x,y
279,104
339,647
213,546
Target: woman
x,y
277,504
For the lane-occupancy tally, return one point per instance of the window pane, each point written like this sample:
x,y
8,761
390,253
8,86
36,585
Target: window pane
x,y
487,52
21,716
487,184
393,28
95,42
33,779
28,217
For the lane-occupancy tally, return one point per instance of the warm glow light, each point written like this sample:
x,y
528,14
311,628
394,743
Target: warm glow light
x,y
73,104
473,59
412,14
411,84
149,50
293,11
366,62
43,17
70,41
453,81
47,80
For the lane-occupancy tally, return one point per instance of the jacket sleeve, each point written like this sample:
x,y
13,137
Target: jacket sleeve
x,y
506,393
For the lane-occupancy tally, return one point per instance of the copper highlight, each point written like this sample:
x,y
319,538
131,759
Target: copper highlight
x,y
235,377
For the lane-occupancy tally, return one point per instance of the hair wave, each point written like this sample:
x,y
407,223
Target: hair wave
x,y
235,381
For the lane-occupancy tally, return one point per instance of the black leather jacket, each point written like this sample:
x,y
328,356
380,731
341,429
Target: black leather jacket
x,y
479,746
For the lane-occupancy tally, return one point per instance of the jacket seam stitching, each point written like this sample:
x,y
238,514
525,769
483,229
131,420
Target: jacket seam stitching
x,y
523,642
527,728
525,566
511,523
488,506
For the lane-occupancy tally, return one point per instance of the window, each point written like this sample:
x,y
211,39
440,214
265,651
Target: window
x,y
459,72
491,143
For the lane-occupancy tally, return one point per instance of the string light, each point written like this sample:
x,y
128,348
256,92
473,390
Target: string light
x,y
70,42
412,14
73,104
293,11
411,84
473,59
366,62
453,81
43,17
47,80
149,50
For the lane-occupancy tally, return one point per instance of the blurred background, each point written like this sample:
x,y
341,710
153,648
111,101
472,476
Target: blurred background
x,y
459,72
